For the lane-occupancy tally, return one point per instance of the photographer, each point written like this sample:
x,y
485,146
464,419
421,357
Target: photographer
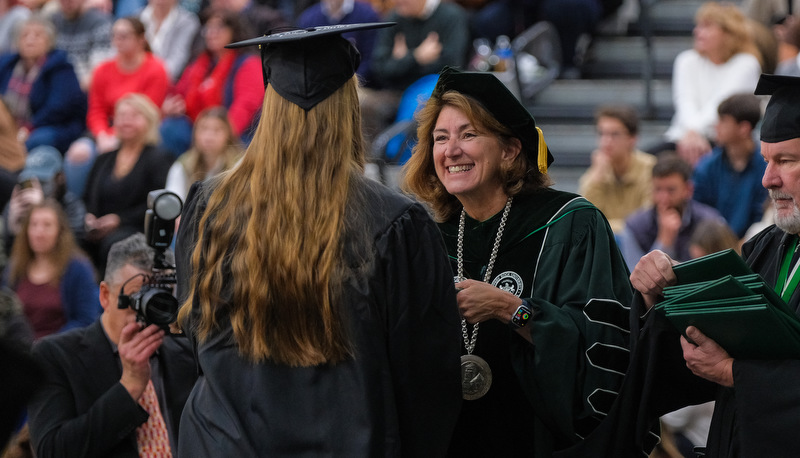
x,y
42,177
98,378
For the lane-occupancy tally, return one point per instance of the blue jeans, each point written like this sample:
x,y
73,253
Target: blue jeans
x,y
77,173
176,134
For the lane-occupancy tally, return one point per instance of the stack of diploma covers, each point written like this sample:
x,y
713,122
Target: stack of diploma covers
x,y
725,300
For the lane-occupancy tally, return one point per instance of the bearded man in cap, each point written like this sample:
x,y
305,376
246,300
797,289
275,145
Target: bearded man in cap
x,y
757,401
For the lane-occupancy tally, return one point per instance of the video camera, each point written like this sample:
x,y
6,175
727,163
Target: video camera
x,y
155,303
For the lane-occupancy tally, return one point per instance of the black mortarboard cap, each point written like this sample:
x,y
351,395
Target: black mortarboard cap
x,y
502,104
782,116
305,66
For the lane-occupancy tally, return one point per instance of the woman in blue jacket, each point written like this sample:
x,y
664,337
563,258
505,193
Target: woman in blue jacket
x,y
40,88
53,279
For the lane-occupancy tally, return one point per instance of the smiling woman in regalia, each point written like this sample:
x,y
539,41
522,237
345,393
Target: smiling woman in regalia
x,y
542,288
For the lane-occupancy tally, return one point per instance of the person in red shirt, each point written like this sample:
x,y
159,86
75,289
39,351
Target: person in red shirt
x,y
133,70
218,77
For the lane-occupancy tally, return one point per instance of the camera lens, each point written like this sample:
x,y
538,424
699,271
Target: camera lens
x,y
159,306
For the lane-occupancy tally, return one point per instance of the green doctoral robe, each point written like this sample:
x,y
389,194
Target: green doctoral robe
x,y
558,253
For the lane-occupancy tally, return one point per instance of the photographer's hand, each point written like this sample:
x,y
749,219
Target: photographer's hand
x,y
136,346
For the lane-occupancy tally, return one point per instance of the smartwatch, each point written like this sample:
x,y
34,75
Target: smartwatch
x,y
521,317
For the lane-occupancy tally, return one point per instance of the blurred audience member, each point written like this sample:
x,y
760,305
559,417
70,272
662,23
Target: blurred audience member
x,y
134,70
766,43
12,153
712,236
382,7
724,61
52,278
490,18
767,220
215,148
258,17
117,187
619,180
218,77
769,12
333,12
574,19
14,325
44,8
11,15
788,35
729,179
170,29
429,35
670,222
42,178
41,89
85,34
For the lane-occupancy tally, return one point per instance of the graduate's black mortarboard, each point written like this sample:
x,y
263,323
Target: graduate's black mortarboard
x,y
782,116
502,104
305,66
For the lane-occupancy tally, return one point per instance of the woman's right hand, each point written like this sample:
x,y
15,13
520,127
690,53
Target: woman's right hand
x,y
107,142
99,228
692,147
479,301
173,105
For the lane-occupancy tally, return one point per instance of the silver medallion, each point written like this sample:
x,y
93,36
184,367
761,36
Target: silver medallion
x,y
476,377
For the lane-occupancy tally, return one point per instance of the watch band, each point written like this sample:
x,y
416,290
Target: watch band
x,y
521,316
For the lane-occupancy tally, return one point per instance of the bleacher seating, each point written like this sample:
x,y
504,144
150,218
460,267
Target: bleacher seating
x,y
615,70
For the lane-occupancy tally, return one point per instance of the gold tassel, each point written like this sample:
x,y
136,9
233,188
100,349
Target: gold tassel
x,y
542,159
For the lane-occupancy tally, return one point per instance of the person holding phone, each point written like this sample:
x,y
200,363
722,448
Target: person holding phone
x,y
41,178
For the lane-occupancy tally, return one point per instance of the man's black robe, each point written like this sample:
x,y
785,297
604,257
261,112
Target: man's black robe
x,y
759,416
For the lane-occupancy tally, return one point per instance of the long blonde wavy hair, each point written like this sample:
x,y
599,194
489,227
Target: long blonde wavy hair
x,y
269,249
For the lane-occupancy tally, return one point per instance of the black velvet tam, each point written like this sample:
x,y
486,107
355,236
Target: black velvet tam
x,y
305,66
502,104
782,117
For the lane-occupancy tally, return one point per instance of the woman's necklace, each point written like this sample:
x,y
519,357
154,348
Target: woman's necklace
x,y
476,376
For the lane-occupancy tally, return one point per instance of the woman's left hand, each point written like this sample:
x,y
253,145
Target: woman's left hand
x,y
479,301
106,142
103,226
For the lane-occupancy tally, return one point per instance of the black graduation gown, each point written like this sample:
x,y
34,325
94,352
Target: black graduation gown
x,y
759,416
399,396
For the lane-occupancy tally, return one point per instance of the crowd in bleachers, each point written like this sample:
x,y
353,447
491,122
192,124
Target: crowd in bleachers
x,y
104,101
66,66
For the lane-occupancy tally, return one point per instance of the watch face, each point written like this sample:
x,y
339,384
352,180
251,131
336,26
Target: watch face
x,y
521,316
